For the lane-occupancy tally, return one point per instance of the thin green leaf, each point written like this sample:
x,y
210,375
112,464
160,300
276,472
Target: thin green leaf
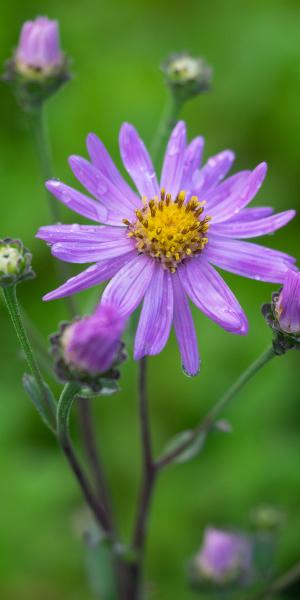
x,y
34,393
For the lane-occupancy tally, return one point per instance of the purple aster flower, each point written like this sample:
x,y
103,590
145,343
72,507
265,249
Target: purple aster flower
x,y
39,47
92,343
225,557
159,244
287,304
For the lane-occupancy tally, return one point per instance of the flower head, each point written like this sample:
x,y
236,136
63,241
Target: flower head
x,y
224,558
89,349
38,51
287,304
186,75
159,244
15,262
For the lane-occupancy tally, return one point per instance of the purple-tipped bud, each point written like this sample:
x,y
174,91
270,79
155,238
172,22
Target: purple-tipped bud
x,y
88,350
287,306
39,46
91,344
224,558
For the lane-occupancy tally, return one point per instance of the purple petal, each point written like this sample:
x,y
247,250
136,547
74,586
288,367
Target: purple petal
x,y
250,229
173,165
192,161
219,193
101,187
80,203
79,233
128,286
185,329
251,214
101,160
86,253
209,292
247,259
289,303
137,161
241,197
156,315
90,277
213,172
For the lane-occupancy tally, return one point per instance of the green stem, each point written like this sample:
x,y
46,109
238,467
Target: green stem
x,y
43,150
10,295
208,422
168,120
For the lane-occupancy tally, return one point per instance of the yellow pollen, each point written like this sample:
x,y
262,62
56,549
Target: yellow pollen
x,y
169,230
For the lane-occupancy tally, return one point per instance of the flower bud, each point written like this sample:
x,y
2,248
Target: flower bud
x,y
15,262
88,349
283,314
186,75
38,67
224,559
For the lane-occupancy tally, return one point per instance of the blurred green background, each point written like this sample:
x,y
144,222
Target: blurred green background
x,y
116,48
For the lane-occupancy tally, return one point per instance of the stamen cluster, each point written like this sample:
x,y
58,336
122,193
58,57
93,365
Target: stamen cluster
x,y
170,230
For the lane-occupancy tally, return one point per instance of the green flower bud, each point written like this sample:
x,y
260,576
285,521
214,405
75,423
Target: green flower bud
x,y
186,75
15,262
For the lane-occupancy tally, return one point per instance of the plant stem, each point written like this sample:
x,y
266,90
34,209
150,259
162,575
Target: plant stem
x,y
93,457
148,480
63,415
208,422
10,295
280,584
168,120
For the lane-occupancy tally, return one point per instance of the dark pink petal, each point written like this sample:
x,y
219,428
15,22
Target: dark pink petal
x,y
137,161
79,233
247,259
250,229
156,315
185,329
209,292
90,277
213,172
101,160
80,203
240,197
91,252
220,192
173,165
101,187
192,161
127,288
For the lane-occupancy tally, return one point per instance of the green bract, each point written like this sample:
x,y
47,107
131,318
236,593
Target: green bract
x,y
15,262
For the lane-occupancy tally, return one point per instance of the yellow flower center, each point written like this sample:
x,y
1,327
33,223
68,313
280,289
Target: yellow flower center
x,y
169,230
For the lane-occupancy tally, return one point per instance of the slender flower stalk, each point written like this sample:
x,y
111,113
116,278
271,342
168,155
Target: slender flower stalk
x,y
207,424
10,296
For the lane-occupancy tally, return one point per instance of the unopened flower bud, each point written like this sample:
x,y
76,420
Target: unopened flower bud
x,y
88,349
267,518
283,314
186,75
224,559
38,67
15,262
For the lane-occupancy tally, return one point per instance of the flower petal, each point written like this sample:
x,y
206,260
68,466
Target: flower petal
x,y
102,160
137,161
101,187
249,229
247,259
251,214
173,165
87,252
90,277
209,292
79,233
219,193
128,286
185,329
192,161
240,197
80,203
156,315
213,172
